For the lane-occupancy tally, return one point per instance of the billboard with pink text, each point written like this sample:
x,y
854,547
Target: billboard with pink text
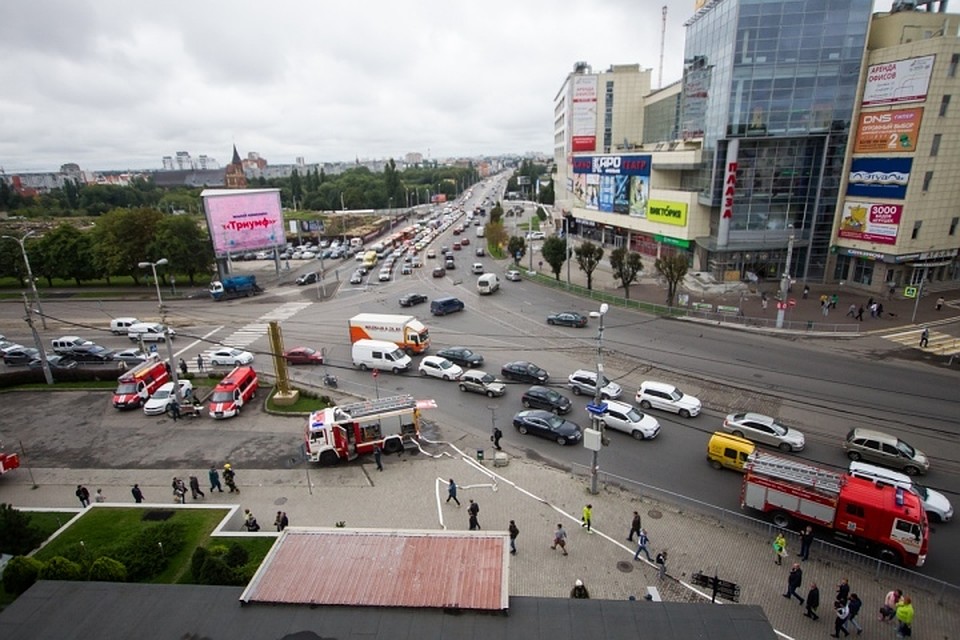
x,y
243,219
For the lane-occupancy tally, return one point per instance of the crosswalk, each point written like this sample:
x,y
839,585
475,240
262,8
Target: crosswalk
x,y
938,343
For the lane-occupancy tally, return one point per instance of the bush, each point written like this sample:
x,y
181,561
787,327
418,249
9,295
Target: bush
x,y
237,556
17,536
148,553
200,555
20,573
106,569
216,571
59,568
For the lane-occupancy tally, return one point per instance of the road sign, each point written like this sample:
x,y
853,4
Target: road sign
x,y
597,409
910,292
781,306
376,372
792,302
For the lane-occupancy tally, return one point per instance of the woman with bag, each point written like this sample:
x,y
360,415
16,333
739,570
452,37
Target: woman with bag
x,y
779,548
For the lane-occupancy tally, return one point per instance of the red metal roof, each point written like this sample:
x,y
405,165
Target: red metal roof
x,y
384,568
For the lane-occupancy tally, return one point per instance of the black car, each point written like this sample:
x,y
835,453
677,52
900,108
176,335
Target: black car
x,y
568,319
91,354
23,355
55,362
547,425
411,299
538,397
307,278
522,371
462,356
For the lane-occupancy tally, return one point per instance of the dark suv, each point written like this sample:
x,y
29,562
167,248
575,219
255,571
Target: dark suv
x,y
538,397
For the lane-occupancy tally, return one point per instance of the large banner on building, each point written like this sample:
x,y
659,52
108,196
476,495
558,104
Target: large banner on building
x,y
666,212
696,93
583,117
613,184
870,222
898,82
888,131
879,177
243,219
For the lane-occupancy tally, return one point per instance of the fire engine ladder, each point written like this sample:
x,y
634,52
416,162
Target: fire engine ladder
x,y
356,410
794,471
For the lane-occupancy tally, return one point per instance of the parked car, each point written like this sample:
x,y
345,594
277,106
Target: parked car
x,y
523,371
164,396
568,319
482,382
230,357
547,425
621,416
764,430
307,278
885,449
539,397
462,356
412,299
91,354
131,357
55,362
936,504
438,367
20,356
303,355
659,395
513,275
584,381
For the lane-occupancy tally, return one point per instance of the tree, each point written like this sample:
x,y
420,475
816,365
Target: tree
x,y
517,247
66,252
122,239
495,235
184,244
673,268
18,536
496,213
626,266
20,574
588,259
554,251
296,189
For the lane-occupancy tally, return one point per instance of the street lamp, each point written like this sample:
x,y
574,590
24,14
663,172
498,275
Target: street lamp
x,y
171,363
785,281
597,408
153,267
33,283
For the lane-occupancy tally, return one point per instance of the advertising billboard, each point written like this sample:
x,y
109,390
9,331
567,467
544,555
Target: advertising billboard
x,y
583,119
613,183
898,82
888,131
879,177
870,222
666,212
243,219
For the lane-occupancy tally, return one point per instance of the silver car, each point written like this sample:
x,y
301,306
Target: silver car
x,y
482,382
765,430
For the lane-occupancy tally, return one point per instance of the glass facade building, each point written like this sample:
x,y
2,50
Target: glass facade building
x,y
780,77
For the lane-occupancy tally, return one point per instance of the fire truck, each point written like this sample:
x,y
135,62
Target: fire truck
x,y
8,461
880,519
350,430
138,384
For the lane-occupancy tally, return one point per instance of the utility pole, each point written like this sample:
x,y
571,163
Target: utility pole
x,y
785,282
37,341
33,283
597,399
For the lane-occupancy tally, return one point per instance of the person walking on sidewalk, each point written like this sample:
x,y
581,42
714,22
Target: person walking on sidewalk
x,y
939,304
586,517
924,338
514,532
843,591
214,479
249,521
840,608
281,521
794,581
195,489
474,511
497,434
183,367
137,494
378,457
634,526
860,314
99,497
852,310
642,542
200,362
905,617
83,495
779,548
813,601
661,563
579,591
452,492
560,539
230,477
806,541
889,609
854,605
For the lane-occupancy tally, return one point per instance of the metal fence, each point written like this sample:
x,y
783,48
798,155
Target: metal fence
x,y
800,326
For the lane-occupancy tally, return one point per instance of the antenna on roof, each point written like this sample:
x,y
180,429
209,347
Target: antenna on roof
x,y
663,39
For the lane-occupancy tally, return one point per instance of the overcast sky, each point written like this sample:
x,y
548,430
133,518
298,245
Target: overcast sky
x,y
117,84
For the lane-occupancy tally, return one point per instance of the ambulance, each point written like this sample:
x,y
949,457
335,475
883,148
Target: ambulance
x,y
139,383
234,391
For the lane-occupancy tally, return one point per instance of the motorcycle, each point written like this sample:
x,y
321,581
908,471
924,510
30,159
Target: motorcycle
x,y
330,380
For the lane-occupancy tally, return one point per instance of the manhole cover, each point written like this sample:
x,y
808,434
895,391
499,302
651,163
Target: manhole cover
x,y
280,501
655,514
624,567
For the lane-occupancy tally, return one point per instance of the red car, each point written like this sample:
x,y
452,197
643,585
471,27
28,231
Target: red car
x,y
303,355
465,241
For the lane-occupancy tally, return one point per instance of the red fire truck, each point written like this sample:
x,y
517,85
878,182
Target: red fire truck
x,y
878,518
350,430
139,383
8,461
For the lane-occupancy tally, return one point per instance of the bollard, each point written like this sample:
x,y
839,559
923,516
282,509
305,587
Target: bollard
x,y
479,455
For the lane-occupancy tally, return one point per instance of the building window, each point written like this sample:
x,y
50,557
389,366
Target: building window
x,y
841,270
927,179
952,69
944,105
863,272
953,226
916,229
935,146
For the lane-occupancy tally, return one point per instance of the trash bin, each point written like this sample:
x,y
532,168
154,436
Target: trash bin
x,y
480,455
809,325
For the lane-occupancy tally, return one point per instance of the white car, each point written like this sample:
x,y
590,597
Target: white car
x,y
513,275
230,357
438,367
660,395
583,381
384,275
162,397
623,417
936,504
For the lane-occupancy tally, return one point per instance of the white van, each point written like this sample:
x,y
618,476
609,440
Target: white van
x,y
119,326
65,344
488,283
936,504
150,332
380,354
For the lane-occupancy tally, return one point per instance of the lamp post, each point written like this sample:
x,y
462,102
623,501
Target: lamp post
x,y
33,283
785,282
597,398
171,363
153,267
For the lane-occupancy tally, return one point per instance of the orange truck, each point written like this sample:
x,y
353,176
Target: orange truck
x,y
135,386
406,332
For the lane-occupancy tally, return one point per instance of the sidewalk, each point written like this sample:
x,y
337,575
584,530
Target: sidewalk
x,y
411,491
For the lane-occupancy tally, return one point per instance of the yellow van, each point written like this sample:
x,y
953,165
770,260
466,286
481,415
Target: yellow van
x,y
725,450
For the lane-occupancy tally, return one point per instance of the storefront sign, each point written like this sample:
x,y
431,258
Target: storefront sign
x,y
583,117
870,222
673,242
666,212
888,131
879,177
898,81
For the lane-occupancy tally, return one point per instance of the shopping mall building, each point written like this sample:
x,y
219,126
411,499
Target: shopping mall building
x,y
811,123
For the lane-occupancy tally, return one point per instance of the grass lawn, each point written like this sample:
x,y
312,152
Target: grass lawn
x,y
302,405
49,521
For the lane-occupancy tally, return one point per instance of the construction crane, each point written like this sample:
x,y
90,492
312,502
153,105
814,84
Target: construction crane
x,y
663,40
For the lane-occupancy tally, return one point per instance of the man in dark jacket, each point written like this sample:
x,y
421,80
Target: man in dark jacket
x,y
813,602
794,580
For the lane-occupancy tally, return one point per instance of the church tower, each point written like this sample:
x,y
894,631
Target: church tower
x,y
234,175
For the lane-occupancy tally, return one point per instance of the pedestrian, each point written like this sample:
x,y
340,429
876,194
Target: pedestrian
x,y
904,617
214,479
579,591
277,520
843,591
852,310
179,495
230,477
853,605
794,581
763,300
824,301
806,541
813,602
889,609
834,299
200,362
779,548
99,497
840,608
825,310
634,526
873,310
249,521
137,494
175,409
586,517
879,309
514,532
474,523
806,291
869,302
183,367
452,492
860,314
560,539
474,511
83,494
195,488
378,457
924,338
661,563
642,542
497,434
939,305
284,521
